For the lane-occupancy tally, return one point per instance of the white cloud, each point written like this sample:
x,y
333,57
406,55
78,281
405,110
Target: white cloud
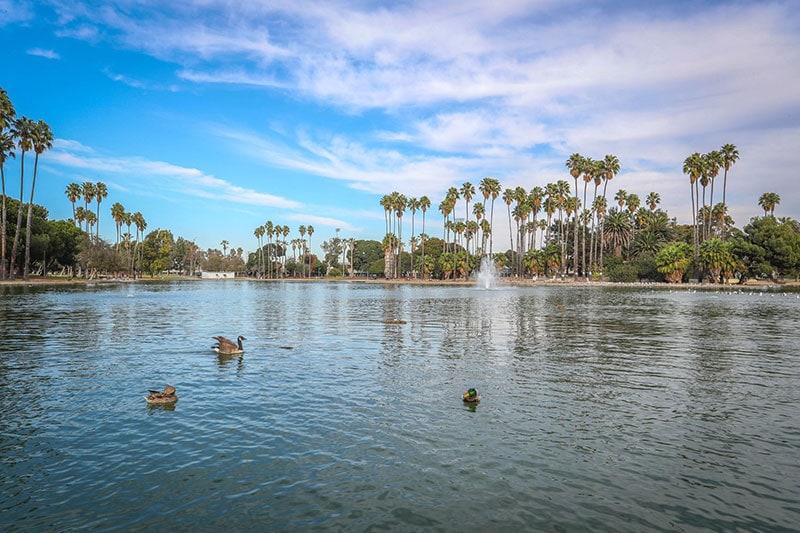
x,y
41,52
144,173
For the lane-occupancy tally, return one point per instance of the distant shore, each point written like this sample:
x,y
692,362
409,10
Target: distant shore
x,y
501,282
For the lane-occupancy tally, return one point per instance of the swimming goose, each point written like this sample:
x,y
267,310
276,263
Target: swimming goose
x,y
168,395
228,347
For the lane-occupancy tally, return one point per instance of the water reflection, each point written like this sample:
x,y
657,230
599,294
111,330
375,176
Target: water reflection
x,y
346,412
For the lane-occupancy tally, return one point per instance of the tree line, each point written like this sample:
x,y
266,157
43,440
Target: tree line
x,y
580,231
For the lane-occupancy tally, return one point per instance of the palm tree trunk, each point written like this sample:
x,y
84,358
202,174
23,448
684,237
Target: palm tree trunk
x,y
3,271
26,266
19,217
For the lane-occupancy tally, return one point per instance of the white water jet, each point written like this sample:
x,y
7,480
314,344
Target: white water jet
x,y
487,275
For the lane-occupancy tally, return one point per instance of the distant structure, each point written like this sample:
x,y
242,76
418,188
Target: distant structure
x,y
218,275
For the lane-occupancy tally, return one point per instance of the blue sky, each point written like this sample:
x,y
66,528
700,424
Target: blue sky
x,y
211,117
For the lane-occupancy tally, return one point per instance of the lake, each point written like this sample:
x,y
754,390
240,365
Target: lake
x,y
603,408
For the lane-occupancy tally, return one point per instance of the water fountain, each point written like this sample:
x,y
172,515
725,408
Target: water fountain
x,y
487,274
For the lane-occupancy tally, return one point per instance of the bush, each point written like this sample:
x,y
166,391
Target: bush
x,y
622,273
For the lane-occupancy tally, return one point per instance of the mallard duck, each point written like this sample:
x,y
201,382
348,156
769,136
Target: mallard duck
x,y
228,347
168,395
472,396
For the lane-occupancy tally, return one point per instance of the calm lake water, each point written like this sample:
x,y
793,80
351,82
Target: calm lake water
x,y
603,408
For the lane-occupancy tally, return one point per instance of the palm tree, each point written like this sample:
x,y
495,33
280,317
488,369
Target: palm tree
x,y
117,213
141,225
413,205
22,130
101,192
768,201
730,155
7,117
575,164
693,167
80,216
73,192
310,231
652,201
673,260
88,195
467,192
618,230
633,206
42,140
611,166
717,259
400,202
424,205
508,198
258,233
224,245
6,152
490,187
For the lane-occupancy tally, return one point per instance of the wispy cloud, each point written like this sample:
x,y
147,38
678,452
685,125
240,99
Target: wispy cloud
x,y
41,52
143,174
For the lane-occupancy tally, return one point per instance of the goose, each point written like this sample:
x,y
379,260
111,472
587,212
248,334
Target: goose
x,y
168,395
228,347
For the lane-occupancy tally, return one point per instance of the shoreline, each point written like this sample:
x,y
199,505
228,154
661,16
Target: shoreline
x,y
500,282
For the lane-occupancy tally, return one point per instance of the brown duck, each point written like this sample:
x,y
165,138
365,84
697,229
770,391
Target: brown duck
x,y
168,395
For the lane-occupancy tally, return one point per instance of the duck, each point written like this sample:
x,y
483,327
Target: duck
x,y
168,395
472,396
228,347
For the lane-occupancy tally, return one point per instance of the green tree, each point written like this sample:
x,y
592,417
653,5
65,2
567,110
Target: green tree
x,y
157,251
717,259
674,260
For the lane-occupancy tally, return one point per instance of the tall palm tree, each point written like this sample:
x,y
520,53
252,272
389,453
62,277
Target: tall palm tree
x,y
117,213
693,167
633,203
575,164
611,166
302,231
730,155
88,195
42,140
258,233
400,203
224,245
508,198
413,205
141,225
22,130
424,205
768,201
101,192
467,192
6,152
310,231
7,116
587,168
